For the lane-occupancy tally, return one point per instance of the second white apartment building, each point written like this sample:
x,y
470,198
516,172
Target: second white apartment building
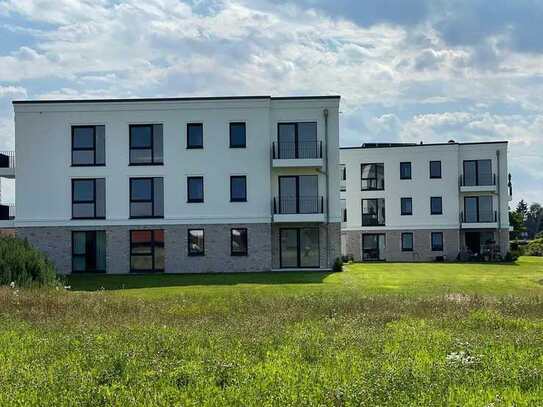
x,y
422,202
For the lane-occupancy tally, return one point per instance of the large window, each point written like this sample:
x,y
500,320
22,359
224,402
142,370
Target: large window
x,y
437,241
406,206
298,194
298,140
88,146
407,242
147,197
195,189
373,212
238,188
299,248
238,136
373,247
89,251
146,144
373,177
405,170
89,198
435,169
436,205
238,242
196,242
146,251
195,135
478,172
478,209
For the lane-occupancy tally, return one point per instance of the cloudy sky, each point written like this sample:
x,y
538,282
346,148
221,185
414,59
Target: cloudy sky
x,y
407,70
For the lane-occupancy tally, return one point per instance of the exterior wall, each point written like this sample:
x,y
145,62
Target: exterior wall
x,y
56,242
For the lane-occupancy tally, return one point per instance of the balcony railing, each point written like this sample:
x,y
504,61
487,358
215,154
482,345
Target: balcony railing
x,y
7,211
301,150
488,180
300,205
7,159
481,217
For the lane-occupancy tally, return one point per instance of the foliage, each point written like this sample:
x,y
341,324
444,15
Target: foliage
x,y
534,220
522,209
539,235
23,265
534,248
516,220
338,265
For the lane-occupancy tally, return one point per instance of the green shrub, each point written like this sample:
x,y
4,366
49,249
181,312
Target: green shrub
x,y
23,265
534,248
338,265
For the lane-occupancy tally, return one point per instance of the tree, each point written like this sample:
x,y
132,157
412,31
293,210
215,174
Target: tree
x,y
516,220
522,208
534,220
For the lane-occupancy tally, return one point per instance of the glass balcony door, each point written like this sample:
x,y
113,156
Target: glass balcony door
x,y
299,248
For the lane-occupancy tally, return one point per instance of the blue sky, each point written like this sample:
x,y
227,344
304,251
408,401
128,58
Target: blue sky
x,y
408,70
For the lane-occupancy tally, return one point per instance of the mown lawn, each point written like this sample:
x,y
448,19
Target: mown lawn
x,y
376,334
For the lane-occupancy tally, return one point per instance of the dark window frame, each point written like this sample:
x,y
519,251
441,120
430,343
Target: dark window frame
x,y
74,255
436,248
195,146
189,200
377,214
298,246
232,177
441,205
318,151
440,176
232,145
477,182
402,213
189,250
410,170
246,237
407,249
478,211
93,149
153,246
74,202
152,148
143,200
377,188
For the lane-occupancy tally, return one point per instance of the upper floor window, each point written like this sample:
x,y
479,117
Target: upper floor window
x,y
238,135
405,170
437,241
88,145
195,135
238,188
436,205
147,197
406,206
298,140
373,212
146,144
196,242
344,210
195,189
478,172
435,169
407,242
373,176
238,242
89,198
479,209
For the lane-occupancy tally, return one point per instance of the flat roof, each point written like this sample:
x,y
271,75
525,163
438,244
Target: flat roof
x,y
174,99
395,145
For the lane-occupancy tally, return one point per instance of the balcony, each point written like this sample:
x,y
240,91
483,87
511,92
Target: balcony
x,y
7,216
7,164
485,183
481,220
301,209
300,154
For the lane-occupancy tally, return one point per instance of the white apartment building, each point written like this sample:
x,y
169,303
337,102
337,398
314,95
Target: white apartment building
x,y
422,202
179,185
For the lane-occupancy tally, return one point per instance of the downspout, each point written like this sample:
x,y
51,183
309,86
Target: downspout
x,y
325,113
498,187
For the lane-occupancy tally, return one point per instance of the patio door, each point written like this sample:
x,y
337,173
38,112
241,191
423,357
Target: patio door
x,y
299,248
373,246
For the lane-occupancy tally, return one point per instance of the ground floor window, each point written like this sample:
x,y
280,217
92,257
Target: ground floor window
x,y
373,246
299,248
437,241
238,242
146,251
196,242
89,251
407,242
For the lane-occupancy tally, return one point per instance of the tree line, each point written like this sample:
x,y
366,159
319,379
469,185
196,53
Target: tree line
x,y
527,221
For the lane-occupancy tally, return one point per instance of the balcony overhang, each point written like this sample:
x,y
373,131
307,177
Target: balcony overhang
x,y
479,225
7,224
478,188
299,217
297,162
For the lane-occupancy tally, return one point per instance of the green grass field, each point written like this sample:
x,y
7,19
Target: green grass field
x,y
375,335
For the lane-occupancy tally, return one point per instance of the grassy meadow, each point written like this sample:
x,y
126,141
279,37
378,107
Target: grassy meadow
x,y
375,335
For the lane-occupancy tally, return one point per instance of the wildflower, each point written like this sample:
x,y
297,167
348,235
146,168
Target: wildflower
x,y
67,287
461,359
12,284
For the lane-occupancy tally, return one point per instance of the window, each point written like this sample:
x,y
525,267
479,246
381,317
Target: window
x,y
479,209
147,197
238,242
436,206
405,170
478,172
89,251
195,135
237,135
373,177
146,251
196,242
88,146
298,194
407,242
195,189
298,140
89,198
373,212
344,210
146,144
406,206
435,169
238,188
437,241
343,181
